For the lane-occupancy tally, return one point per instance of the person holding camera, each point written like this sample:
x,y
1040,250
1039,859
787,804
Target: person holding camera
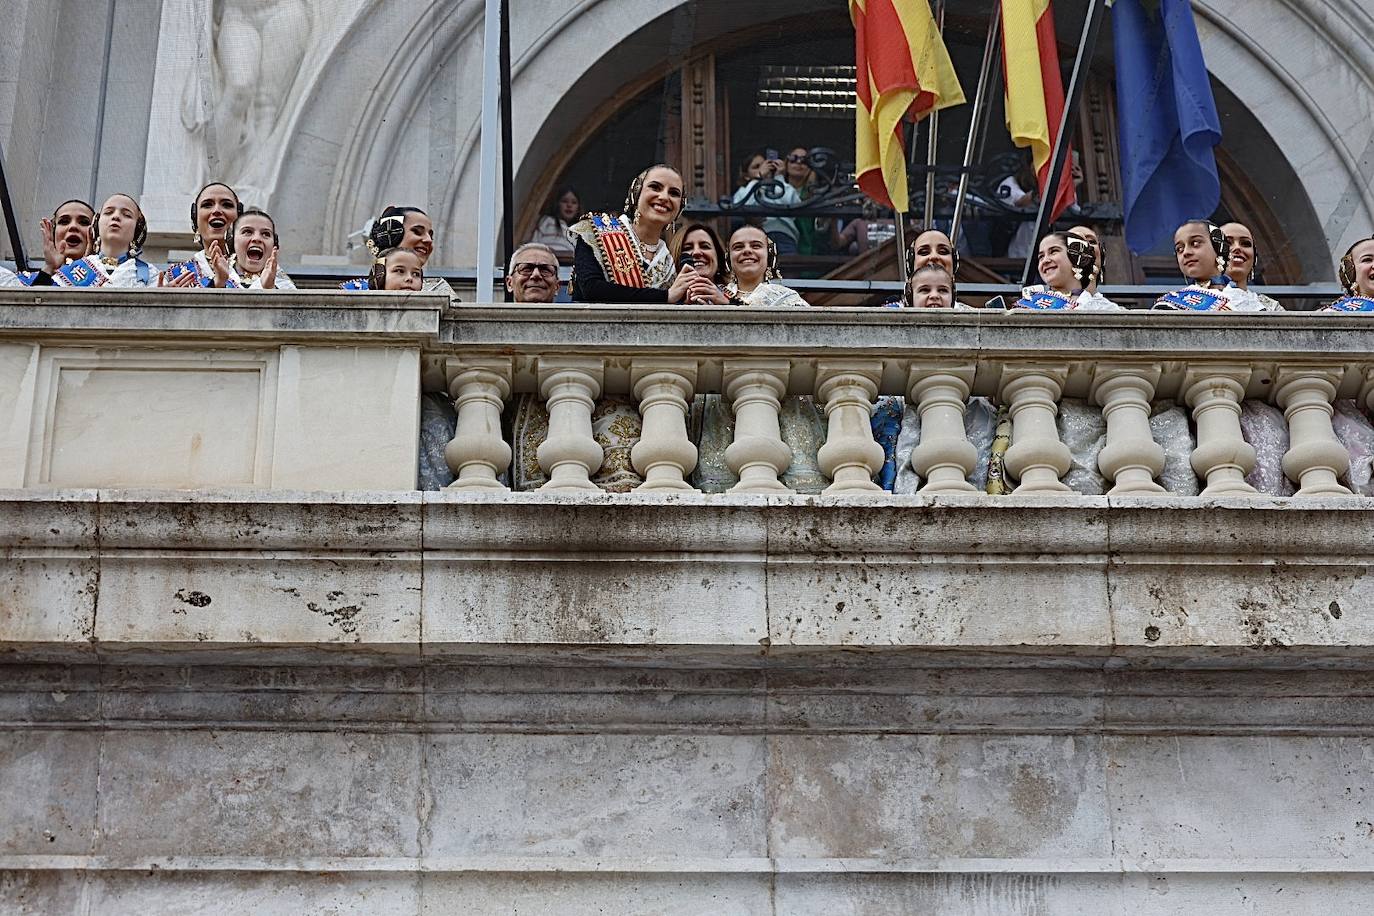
x,y
764,184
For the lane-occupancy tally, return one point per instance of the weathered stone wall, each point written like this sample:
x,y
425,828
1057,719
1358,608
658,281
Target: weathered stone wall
x,y
278,702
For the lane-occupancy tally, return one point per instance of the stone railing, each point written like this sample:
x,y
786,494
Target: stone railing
x,y
580,702
846,358
274,390
320,390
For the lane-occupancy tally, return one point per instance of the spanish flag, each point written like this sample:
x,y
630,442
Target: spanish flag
x,y
1035,89
903,71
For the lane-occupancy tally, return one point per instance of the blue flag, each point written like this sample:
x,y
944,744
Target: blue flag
x,y
1166,119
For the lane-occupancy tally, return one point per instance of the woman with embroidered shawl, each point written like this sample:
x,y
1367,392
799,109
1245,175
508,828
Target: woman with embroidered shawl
x,y
1068,269
213,213
626,258
1356,276
1203,255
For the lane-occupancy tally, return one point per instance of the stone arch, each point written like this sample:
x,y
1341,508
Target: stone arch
x,y
1301,66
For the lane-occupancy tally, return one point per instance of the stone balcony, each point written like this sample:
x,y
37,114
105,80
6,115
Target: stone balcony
x,y
263,673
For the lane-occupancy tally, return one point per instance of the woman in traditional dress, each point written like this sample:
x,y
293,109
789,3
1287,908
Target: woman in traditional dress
x,y
397,227
698,245
213,213
118,236
553,226
1203,254
931,246
753,268
387,231
1068,268
1356,276
1243,260
256,246
66,238
626,258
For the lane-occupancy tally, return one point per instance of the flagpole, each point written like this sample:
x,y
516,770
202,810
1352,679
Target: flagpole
x,y
21,260
488,152
1087,43
976,120
933,136
909,135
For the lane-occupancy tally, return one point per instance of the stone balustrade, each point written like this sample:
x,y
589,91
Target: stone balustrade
x,y
319,390
845,358
235,689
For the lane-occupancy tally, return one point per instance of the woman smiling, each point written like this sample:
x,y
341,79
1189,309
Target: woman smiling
x,y
625,258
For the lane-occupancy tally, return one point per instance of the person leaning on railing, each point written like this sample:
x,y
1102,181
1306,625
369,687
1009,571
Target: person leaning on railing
x,y
1203,255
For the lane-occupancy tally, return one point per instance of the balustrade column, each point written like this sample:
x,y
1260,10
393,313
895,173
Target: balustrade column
x,y
849,457
478,453
570,454
758,455
1131,457
1315,457
1222,456
664,454
1036,458
944,458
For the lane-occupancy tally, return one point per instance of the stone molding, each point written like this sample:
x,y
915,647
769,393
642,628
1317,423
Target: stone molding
x,y
768,579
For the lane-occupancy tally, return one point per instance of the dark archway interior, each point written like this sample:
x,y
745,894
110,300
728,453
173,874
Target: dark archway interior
x,y
640,106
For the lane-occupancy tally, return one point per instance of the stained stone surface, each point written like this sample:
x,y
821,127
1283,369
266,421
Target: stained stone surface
x,y
998,731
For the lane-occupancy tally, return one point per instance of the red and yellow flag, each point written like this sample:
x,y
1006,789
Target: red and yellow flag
x,y
904,71
1035,89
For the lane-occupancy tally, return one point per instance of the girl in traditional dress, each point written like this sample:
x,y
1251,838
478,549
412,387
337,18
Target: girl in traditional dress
x,y
698,245
1242,261
753,267
66,238
626,258
1356,276
397,269
1203,255
397,227
213,213
931,287
1068,267
256,245
931,246
119,233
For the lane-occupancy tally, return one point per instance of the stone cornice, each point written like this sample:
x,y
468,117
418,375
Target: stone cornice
x,y
316,316
721,580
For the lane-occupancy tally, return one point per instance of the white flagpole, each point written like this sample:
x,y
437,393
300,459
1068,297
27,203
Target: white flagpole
x,y
487,188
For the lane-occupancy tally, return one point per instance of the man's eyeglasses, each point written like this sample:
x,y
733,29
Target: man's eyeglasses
x,y
529,269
